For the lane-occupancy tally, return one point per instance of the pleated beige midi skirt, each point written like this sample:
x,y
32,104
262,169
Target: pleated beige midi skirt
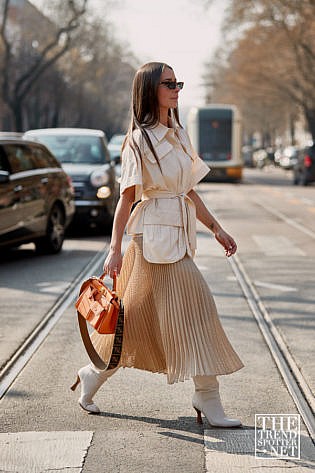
x,y
171,320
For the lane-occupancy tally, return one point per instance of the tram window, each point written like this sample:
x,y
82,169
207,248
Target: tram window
x,y
215,135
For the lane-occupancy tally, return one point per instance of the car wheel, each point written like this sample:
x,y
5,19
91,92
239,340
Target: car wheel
x,y
52,242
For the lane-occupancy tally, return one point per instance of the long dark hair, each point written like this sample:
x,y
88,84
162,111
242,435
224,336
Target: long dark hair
x,y
145,111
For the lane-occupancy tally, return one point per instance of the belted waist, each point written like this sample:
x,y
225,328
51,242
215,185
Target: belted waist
x,y
187,211
167,221
163,195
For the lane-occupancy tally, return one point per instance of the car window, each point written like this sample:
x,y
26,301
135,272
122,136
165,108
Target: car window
x,y
117,140
3,161
19,157
44,159
75,148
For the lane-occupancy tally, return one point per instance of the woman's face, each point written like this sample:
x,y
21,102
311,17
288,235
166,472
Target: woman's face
x,y
167,98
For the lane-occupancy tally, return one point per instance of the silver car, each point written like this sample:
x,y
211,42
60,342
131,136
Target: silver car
x,y
84,156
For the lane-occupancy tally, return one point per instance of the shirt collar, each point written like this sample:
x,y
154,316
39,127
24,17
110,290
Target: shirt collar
x,y
160,131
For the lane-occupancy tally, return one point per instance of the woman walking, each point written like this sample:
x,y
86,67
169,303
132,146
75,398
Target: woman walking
x,y
171,322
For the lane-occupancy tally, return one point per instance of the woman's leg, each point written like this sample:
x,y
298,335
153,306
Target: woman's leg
x,y
91,379
207,400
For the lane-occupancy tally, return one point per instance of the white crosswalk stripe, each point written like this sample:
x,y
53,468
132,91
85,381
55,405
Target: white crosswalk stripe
x,y
276,287
35,452
233,451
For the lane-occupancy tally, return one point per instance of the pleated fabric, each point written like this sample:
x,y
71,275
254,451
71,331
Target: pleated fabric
x,y
171,320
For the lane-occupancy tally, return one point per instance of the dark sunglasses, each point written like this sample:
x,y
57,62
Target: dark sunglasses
x,y
173,84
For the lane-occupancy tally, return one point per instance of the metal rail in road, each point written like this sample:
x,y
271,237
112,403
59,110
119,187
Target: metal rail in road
x,y
286,219
292,376
296,384
24,353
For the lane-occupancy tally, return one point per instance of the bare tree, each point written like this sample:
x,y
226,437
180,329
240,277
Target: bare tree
x,y
23,64
273,55
100,70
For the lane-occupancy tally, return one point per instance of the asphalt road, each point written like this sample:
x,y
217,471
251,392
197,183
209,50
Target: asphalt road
x,y
145,424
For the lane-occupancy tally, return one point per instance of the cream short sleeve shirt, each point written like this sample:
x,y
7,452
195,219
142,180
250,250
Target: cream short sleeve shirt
x,y
166,216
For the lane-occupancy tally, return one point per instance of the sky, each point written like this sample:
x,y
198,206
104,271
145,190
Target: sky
x,y
182,33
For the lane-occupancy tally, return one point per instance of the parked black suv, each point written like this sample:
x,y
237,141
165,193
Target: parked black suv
x,y
84,156
36,196
304,169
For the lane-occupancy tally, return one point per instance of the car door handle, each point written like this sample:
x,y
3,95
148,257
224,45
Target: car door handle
x,y
44,180
18,188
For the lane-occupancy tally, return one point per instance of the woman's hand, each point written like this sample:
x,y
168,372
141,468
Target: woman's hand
x,y
210,222
112,263
226,241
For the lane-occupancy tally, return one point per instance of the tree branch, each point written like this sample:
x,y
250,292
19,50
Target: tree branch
x,y
42,69
5,16
37,67
7,55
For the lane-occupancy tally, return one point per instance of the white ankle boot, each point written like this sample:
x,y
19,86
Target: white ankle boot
x,y
207,400
91,380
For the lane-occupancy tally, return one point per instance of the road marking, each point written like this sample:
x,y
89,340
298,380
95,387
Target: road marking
x,y
202,268
232,451
307,201
44,451
286,219
277,287
53,288
22,356
273,245
297,386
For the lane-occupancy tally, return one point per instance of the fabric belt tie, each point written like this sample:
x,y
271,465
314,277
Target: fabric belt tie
x,y
188,214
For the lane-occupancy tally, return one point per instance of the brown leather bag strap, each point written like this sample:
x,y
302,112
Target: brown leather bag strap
x,y
114,281
117,345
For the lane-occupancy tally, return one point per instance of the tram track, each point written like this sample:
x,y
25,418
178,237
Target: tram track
x,y
294,380
296,384
289,221
291,374
30,345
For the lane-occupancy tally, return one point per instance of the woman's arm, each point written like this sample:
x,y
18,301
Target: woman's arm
x,y
113,260
212,224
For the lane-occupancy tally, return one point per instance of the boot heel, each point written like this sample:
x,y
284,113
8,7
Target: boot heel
x,y
73,387
199,418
